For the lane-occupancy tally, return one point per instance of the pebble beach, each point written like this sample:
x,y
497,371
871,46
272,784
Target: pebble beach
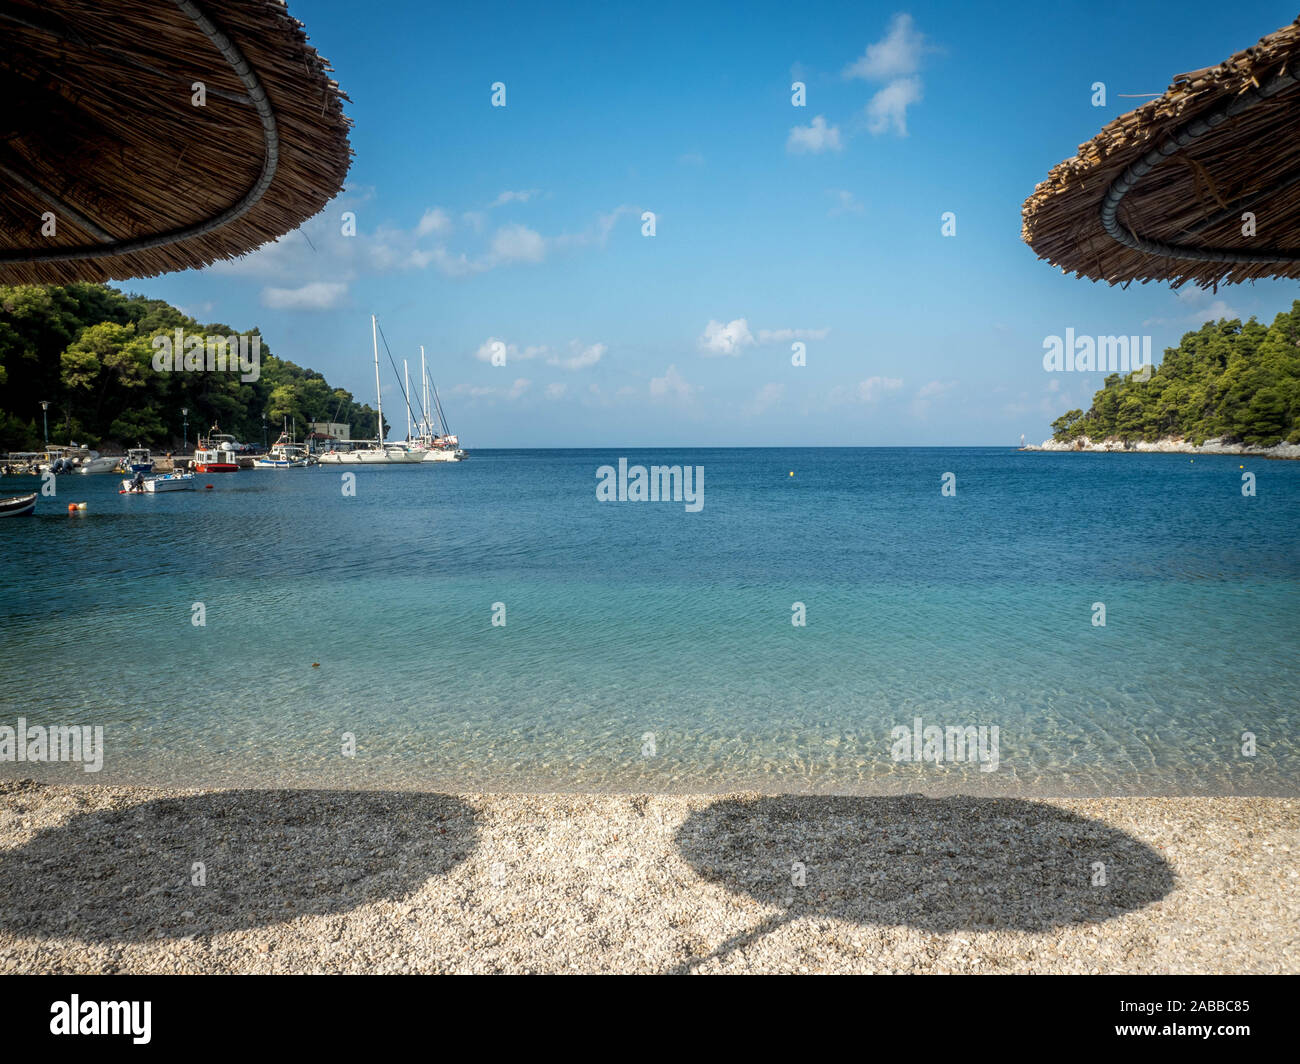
x,y
141,880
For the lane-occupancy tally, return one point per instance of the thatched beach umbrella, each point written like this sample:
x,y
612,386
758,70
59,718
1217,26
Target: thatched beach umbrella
x,y
1163,192
143,136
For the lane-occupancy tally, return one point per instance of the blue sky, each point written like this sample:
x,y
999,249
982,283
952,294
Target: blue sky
x,y
774,224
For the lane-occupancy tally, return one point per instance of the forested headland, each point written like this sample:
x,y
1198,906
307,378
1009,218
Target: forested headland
x,y
88,350
1231,381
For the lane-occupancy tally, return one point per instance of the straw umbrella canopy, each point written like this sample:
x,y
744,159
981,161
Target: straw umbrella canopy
x,y
1168,191
144,136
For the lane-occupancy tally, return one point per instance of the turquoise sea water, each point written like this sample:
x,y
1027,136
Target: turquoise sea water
x,y
631,619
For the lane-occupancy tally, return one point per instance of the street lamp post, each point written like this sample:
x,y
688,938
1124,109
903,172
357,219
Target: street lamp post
x,y
45,419
185,428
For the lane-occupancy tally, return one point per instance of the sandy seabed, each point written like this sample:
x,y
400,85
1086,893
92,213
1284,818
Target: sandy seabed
x,y
131,879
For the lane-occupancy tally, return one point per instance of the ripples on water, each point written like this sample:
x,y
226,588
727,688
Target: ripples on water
x,y
625,619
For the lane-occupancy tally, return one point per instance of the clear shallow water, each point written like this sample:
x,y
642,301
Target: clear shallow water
x,y
632,618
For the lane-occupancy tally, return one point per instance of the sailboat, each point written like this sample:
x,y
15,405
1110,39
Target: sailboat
x,y
435,447
381,452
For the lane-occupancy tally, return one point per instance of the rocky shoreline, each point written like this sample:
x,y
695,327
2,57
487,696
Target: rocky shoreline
x,y
1290,451
128,880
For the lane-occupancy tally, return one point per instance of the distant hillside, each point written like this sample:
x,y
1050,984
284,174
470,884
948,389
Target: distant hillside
x,y
1227,380
87,349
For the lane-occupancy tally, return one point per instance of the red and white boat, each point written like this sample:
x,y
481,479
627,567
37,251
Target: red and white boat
x,y
217,454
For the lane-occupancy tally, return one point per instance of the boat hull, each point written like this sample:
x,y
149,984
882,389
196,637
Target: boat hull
x,y
98,465
157,485
18,505
372,458
216,467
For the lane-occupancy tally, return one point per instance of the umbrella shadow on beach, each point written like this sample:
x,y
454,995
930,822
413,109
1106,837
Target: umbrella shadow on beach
x,y
211,863
942,864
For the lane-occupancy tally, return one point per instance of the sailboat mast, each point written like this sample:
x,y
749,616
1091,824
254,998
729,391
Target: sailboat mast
x,y
406,372
379,395
438,402
424,406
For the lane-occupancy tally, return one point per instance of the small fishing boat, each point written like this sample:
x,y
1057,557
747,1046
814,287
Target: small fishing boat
x,y
18,505
217,454
137,460
210,460
153,485
284,454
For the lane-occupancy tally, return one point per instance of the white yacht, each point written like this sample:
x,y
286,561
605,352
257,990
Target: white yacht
x,y
434,446
380,452
95,462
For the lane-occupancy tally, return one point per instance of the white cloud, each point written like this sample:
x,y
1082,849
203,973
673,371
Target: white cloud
x,y
1200,308
672,385
513,197
873,388
845,202
513,352
784,336
895,60
556,390
517,243
729,339
319,252
316,295
813,139
933,388
888,108
583,358
483,391
897,54
598,233
434,220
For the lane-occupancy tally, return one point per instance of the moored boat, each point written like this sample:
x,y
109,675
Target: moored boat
x,y
381,452
217,454
18,505
434,446
137,460
97,463
284,454
140,484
